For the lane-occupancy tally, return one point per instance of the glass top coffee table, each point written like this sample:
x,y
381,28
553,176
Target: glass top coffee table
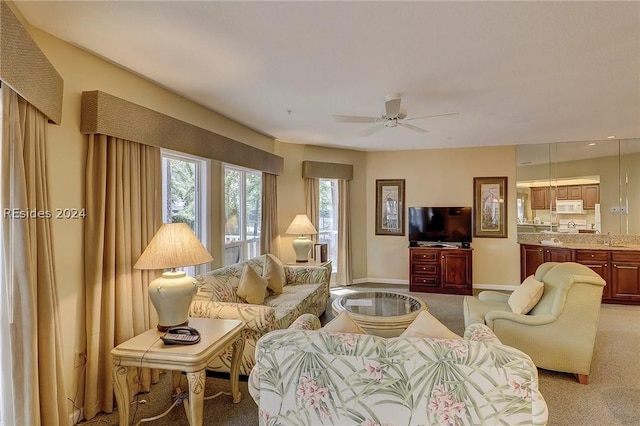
x,y
381,313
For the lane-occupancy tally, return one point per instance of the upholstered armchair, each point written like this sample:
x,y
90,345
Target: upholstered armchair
x,y
559,332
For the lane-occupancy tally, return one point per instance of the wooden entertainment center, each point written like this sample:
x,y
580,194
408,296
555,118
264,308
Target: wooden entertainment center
x,y
440,270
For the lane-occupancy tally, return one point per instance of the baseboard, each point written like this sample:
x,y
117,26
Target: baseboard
x,y
495,287
406,282
380,281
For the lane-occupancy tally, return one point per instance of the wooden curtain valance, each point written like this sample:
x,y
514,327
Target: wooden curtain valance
x,y
317,169
25,69
106,114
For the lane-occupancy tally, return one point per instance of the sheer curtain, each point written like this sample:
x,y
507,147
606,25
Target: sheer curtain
x,y
344,276
33,390
269,226
124,209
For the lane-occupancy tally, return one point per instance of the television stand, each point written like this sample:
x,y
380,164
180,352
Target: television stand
x,y
440,269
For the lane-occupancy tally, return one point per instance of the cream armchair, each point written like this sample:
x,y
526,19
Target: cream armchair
x,y
559,332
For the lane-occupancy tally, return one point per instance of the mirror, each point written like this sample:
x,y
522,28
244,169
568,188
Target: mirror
x,y
579,187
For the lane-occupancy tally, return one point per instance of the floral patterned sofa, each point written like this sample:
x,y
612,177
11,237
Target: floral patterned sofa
x,y
306,290
307,377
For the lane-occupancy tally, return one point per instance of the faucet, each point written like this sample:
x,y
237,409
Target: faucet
x,y
571,224
608,241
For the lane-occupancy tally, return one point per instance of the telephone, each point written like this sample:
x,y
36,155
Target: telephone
x,y
181,336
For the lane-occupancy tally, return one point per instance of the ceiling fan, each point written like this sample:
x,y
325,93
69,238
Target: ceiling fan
x,y
394,116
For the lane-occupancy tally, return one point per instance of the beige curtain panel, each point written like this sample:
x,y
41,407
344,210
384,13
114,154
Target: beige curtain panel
x,y
269,238
33,389
124,210
344,234
312,202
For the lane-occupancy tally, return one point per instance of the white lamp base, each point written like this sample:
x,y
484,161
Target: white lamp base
x,y
302,246
171,295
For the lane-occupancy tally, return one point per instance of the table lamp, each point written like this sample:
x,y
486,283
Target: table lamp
x,y
174,246
302,227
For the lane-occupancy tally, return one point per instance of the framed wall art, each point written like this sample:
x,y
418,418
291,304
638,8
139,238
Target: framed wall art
x,y
490,207
390,207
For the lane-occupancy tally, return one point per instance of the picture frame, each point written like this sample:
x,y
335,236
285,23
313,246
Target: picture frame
x,y
390,207
490,207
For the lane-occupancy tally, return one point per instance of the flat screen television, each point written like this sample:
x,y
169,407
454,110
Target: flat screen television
x,y
440,224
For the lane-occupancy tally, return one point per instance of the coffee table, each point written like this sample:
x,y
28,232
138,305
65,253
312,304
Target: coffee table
x,y
382,313
147,350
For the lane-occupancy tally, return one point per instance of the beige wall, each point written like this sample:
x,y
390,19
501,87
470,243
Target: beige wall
x,y
432,177
291,196
442,177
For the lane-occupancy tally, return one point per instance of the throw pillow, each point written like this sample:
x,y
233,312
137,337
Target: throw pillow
x,y
343,323
525,297
252,287
273,272
427,326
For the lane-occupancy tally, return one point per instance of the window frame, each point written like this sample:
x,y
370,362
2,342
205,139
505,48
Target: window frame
x,y
243,243
202,199
333,232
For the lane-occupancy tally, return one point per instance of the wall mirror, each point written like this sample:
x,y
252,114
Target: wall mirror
x,y
579,187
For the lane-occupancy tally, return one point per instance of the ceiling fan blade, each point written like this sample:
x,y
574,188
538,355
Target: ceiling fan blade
x,y
371,130
355,119
434,115
392,107
412,127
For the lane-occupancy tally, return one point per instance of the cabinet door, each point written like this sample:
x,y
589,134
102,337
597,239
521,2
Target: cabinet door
x,y
558,255
600,262
455,270
539,198
574,192
530,258
562,193
590,196
625,276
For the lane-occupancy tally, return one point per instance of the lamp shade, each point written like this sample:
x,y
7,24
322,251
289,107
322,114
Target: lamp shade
x,y
301,225
174,245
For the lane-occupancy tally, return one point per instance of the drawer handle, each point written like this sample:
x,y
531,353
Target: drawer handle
x,y
424,281
443,256
605,265
424,255
593,255
424,269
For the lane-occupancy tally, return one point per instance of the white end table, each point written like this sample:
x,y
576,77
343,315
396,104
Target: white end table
x,y
147,350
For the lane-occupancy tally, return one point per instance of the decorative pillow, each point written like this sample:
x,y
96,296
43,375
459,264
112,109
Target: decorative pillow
x,y
426,325
525,297
252,287
343,323
273,272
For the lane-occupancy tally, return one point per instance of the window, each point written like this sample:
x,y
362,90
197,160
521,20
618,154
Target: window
x,y
242,214
184,194
328,220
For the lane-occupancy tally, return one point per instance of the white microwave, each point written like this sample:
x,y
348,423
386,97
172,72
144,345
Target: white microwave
x,y
569,207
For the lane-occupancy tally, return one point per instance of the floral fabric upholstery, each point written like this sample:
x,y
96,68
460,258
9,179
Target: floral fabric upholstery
x,y
306,291
320,378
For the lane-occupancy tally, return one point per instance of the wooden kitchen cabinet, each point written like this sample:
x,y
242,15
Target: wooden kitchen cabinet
x,y
532,256
574,192
625,276
440,270
619,268
539,198
590,196
600,262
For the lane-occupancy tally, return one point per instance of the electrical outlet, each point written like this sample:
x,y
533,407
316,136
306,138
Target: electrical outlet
x,y
79,360
614,210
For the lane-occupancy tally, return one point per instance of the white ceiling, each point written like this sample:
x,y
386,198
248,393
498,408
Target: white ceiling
x,y
517,72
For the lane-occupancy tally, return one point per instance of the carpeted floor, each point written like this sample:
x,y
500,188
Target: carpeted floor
x,y
612,396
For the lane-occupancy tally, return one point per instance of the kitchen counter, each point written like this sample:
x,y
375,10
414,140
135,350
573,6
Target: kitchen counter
x,y
584,241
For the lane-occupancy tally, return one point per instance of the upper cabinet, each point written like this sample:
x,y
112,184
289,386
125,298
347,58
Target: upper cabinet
x,y
605,175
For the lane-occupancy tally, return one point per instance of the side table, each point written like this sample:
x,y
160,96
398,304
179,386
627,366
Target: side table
x,y
147,350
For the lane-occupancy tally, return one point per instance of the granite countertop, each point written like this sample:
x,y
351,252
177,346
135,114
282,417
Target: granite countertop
x,y
583,241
